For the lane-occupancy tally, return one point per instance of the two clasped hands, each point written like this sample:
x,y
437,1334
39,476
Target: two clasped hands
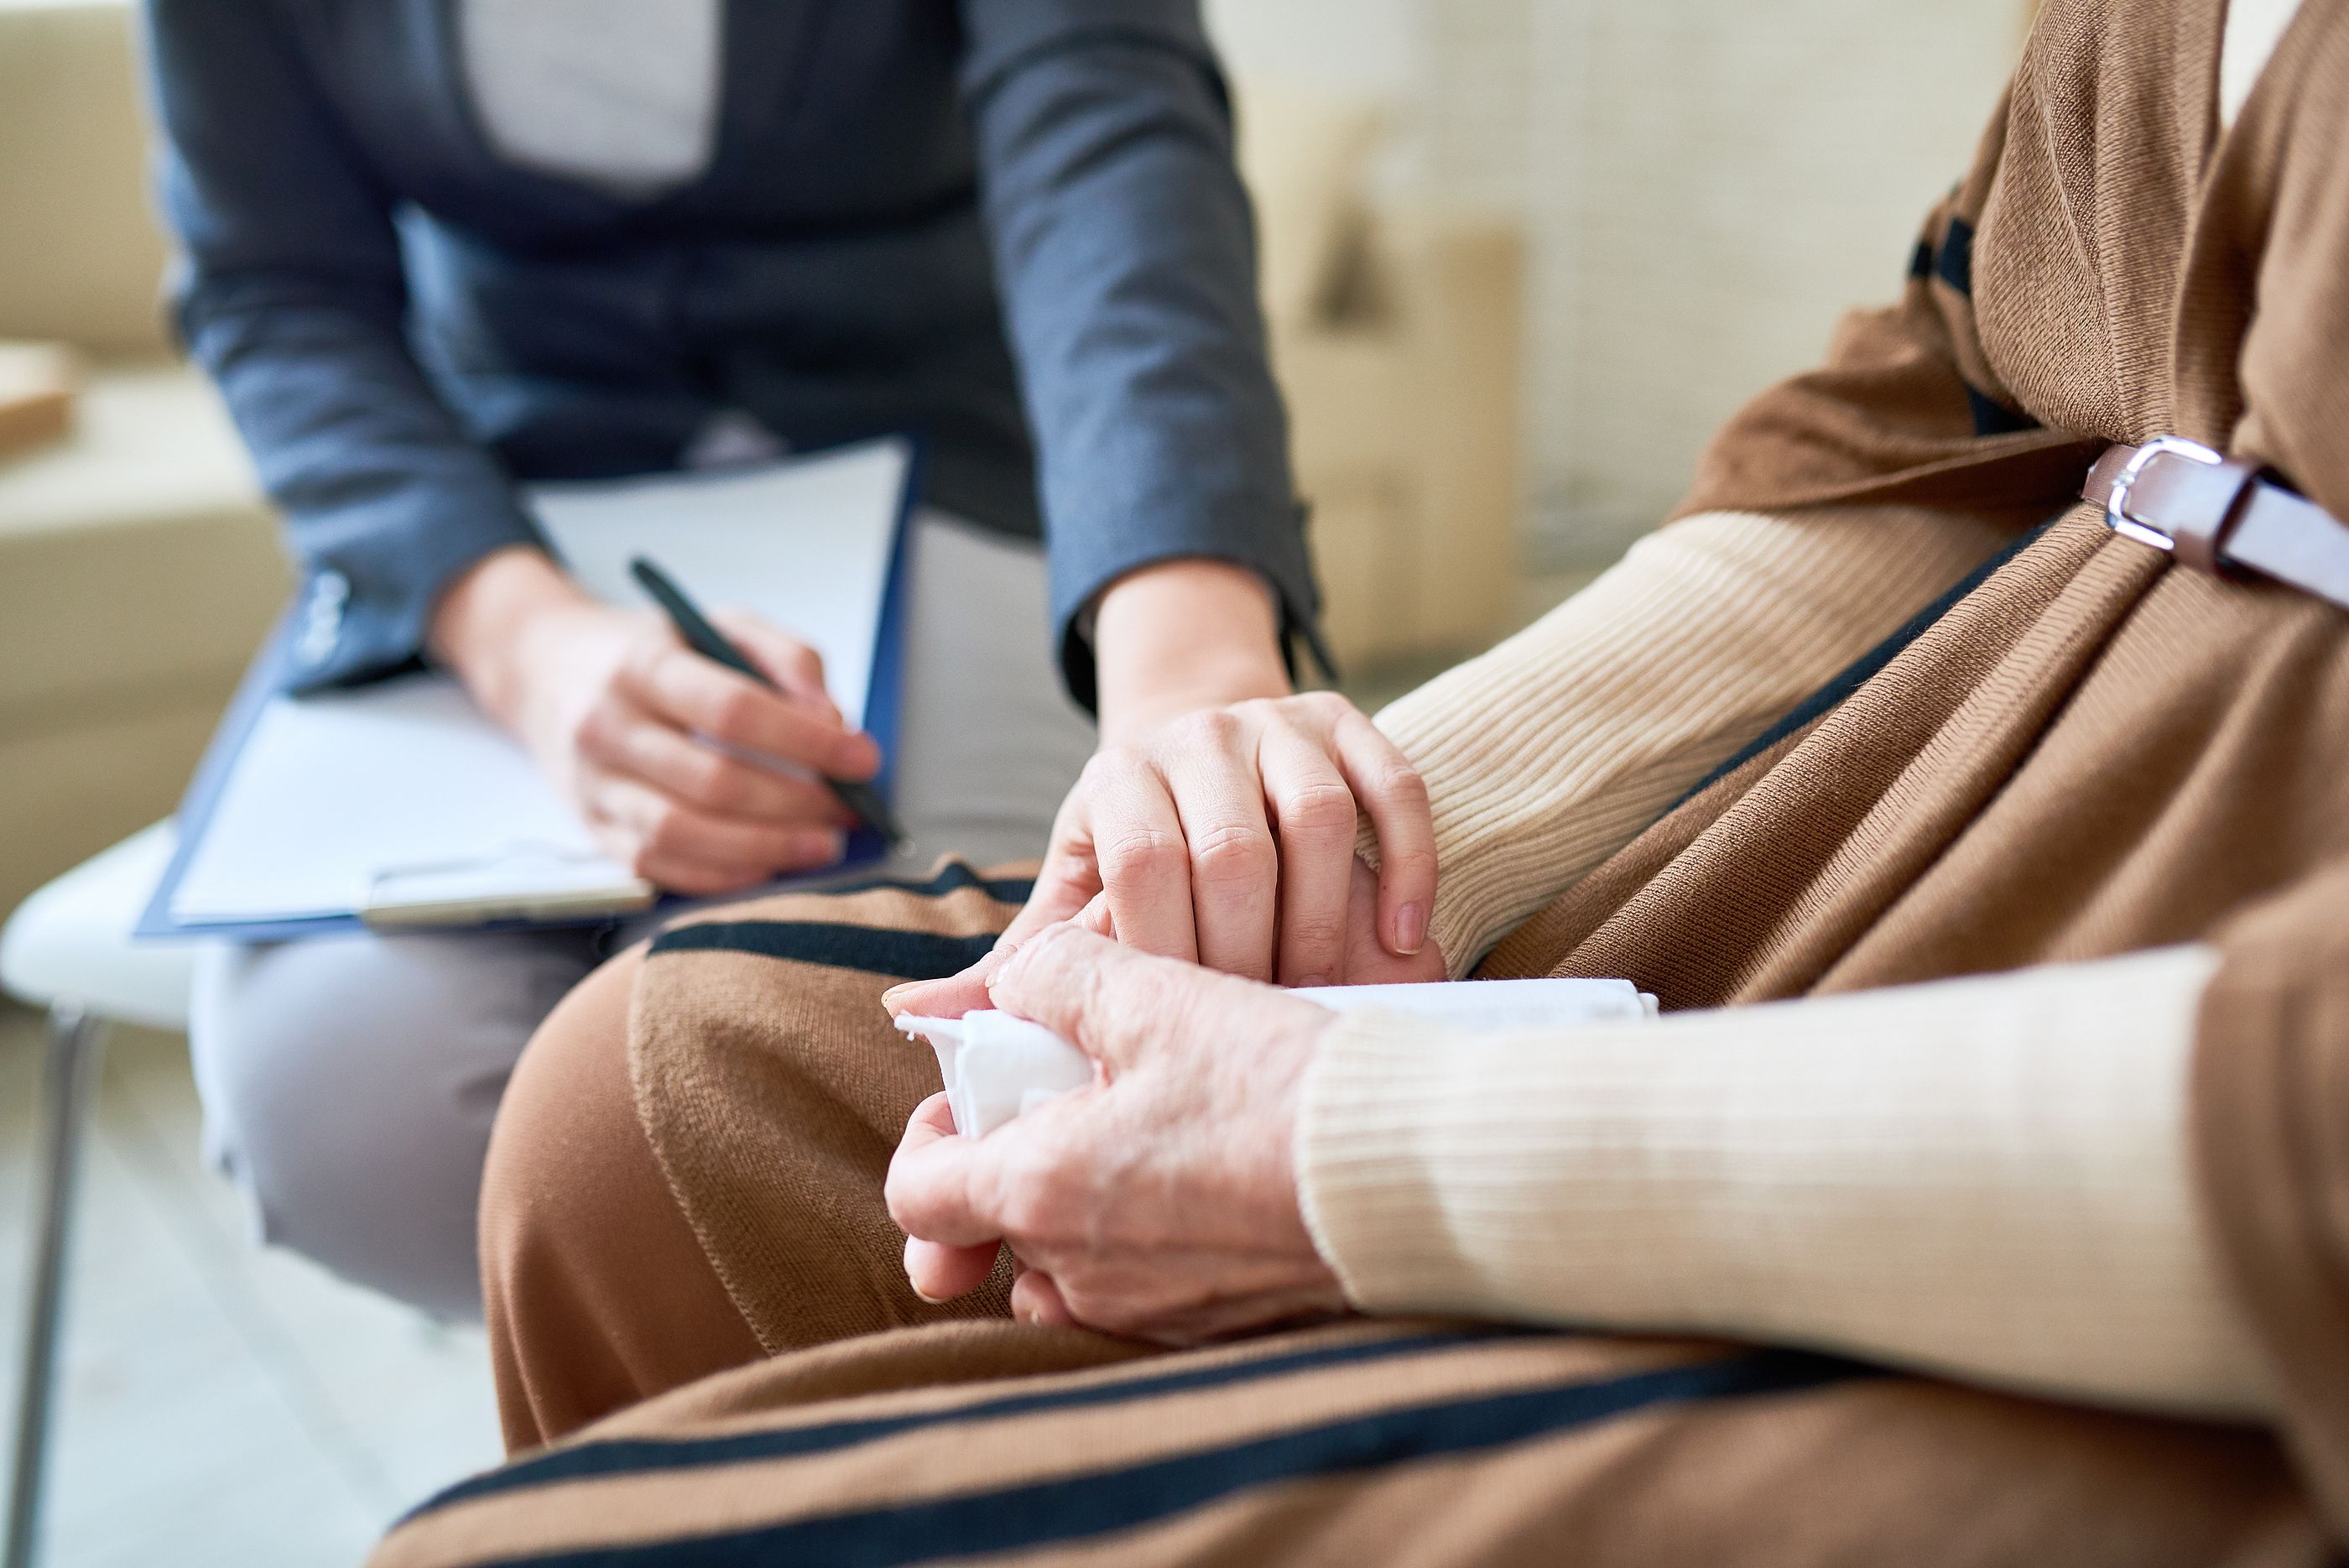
x,y
1207,856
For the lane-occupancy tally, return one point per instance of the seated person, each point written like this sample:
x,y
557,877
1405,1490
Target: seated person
x,y
2005,1049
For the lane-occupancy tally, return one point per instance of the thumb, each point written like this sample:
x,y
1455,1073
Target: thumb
x,y
1068,879
1105,998
950,997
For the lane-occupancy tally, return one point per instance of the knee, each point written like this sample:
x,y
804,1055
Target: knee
x,y
567,1151
349,1088
594,1287
292,1089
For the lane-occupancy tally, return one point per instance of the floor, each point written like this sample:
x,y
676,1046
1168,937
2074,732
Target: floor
x,y
221,1406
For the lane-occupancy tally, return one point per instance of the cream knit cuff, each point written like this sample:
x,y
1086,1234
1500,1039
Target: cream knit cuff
x,y
1985,1177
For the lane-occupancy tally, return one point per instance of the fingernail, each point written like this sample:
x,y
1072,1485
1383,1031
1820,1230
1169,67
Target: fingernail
x,y
1410,929
1313,983
933,1301
895,991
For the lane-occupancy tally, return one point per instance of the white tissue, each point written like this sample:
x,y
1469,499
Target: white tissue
x,y
997,1068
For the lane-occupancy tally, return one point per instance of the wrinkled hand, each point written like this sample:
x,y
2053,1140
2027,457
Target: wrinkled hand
x,y
1161,1202
1227,836
653,745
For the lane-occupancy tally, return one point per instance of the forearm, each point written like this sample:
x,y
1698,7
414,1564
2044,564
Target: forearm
x,y
1184,635
377,485
294,298
1547,755
1126,254
1986,1179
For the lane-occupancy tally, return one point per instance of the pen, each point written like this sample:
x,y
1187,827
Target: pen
x,y
714,645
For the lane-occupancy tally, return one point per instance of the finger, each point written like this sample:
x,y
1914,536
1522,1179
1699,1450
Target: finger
x,y
1070,874
936,1272
1104,997
1234,866
668,830
629,740
1394,796
693,879
949,997
1035,1299
788,662
1145,860
940,1184
1313,812
693,693
967,991
942,1273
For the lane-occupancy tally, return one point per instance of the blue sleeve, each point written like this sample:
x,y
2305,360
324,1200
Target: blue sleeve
x,y
1126,253
289,293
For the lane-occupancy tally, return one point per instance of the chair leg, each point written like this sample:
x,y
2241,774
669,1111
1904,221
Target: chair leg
x,y
76,1041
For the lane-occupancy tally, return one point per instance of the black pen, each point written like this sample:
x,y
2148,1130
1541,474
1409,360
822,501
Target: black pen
x,y
715,646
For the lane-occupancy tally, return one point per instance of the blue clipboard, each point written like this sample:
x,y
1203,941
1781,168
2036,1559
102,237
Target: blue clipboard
x,y
267,677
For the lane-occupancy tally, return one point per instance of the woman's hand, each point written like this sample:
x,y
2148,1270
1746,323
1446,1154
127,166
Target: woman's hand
x,y
650,741
1218,817
1162,1202
1226,838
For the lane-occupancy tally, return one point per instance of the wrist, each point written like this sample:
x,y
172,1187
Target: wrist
x,y
491,613
1182,635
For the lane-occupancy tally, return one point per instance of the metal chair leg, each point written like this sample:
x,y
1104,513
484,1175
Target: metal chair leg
x,y
77,1042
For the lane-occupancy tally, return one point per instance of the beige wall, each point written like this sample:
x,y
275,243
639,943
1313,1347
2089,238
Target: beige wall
x,y
1705,184
1709,185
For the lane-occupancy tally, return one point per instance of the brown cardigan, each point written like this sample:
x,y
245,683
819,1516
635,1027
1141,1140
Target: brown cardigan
x,y
2096,751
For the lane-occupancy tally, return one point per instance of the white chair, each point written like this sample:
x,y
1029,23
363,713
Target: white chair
x,y
69,949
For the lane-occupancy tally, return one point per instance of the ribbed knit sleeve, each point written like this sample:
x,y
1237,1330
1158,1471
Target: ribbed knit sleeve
x,y
1552,751
1985,1178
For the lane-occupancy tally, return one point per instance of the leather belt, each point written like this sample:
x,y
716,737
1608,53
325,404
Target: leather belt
x,y
2215,515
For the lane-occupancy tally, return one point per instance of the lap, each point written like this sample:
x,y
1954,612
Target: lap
x,y
687,1171
773,1088
1385,1443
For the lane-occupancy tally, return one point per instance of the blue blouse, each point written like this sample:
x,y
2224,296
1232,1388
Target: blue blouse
x,y
1012,226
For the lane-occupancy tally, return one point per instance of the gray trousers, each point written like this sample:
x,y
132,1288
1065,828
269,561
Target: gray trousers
x,y
349,1082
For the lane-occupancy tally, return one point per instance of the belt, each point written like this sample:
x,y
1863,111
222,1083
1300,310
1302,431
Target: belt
x,y
2215,515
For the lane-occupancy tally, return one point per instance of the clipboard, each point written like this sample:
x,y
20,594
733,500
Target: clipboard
x,y
522,860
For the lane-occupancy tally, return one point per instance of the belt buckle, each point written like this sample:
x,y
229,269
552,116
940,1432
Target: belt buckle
x,y
2116,515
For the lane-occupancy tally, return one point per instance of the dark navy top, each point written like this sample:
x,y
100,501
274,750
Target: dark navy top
x,y
1013,227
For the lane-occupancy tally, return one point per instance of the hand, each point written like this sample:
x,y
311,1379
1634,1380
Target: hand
x,y
1226,838
1219,815
649,739
1162,1202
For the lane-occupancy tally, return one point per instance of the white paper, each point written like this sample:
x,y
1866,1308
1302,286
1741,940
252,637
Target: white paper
x,y
330,793
406,785
802,545
996,1067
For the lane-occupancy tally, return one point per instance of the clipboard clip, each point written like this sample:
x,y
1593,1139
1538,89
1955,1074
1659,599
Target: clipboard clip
x,y
523,880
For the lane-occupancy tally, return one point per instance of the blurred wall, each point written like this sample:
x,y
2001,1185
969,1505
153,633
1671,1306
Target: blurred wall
x,y
1367,44
1704,184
